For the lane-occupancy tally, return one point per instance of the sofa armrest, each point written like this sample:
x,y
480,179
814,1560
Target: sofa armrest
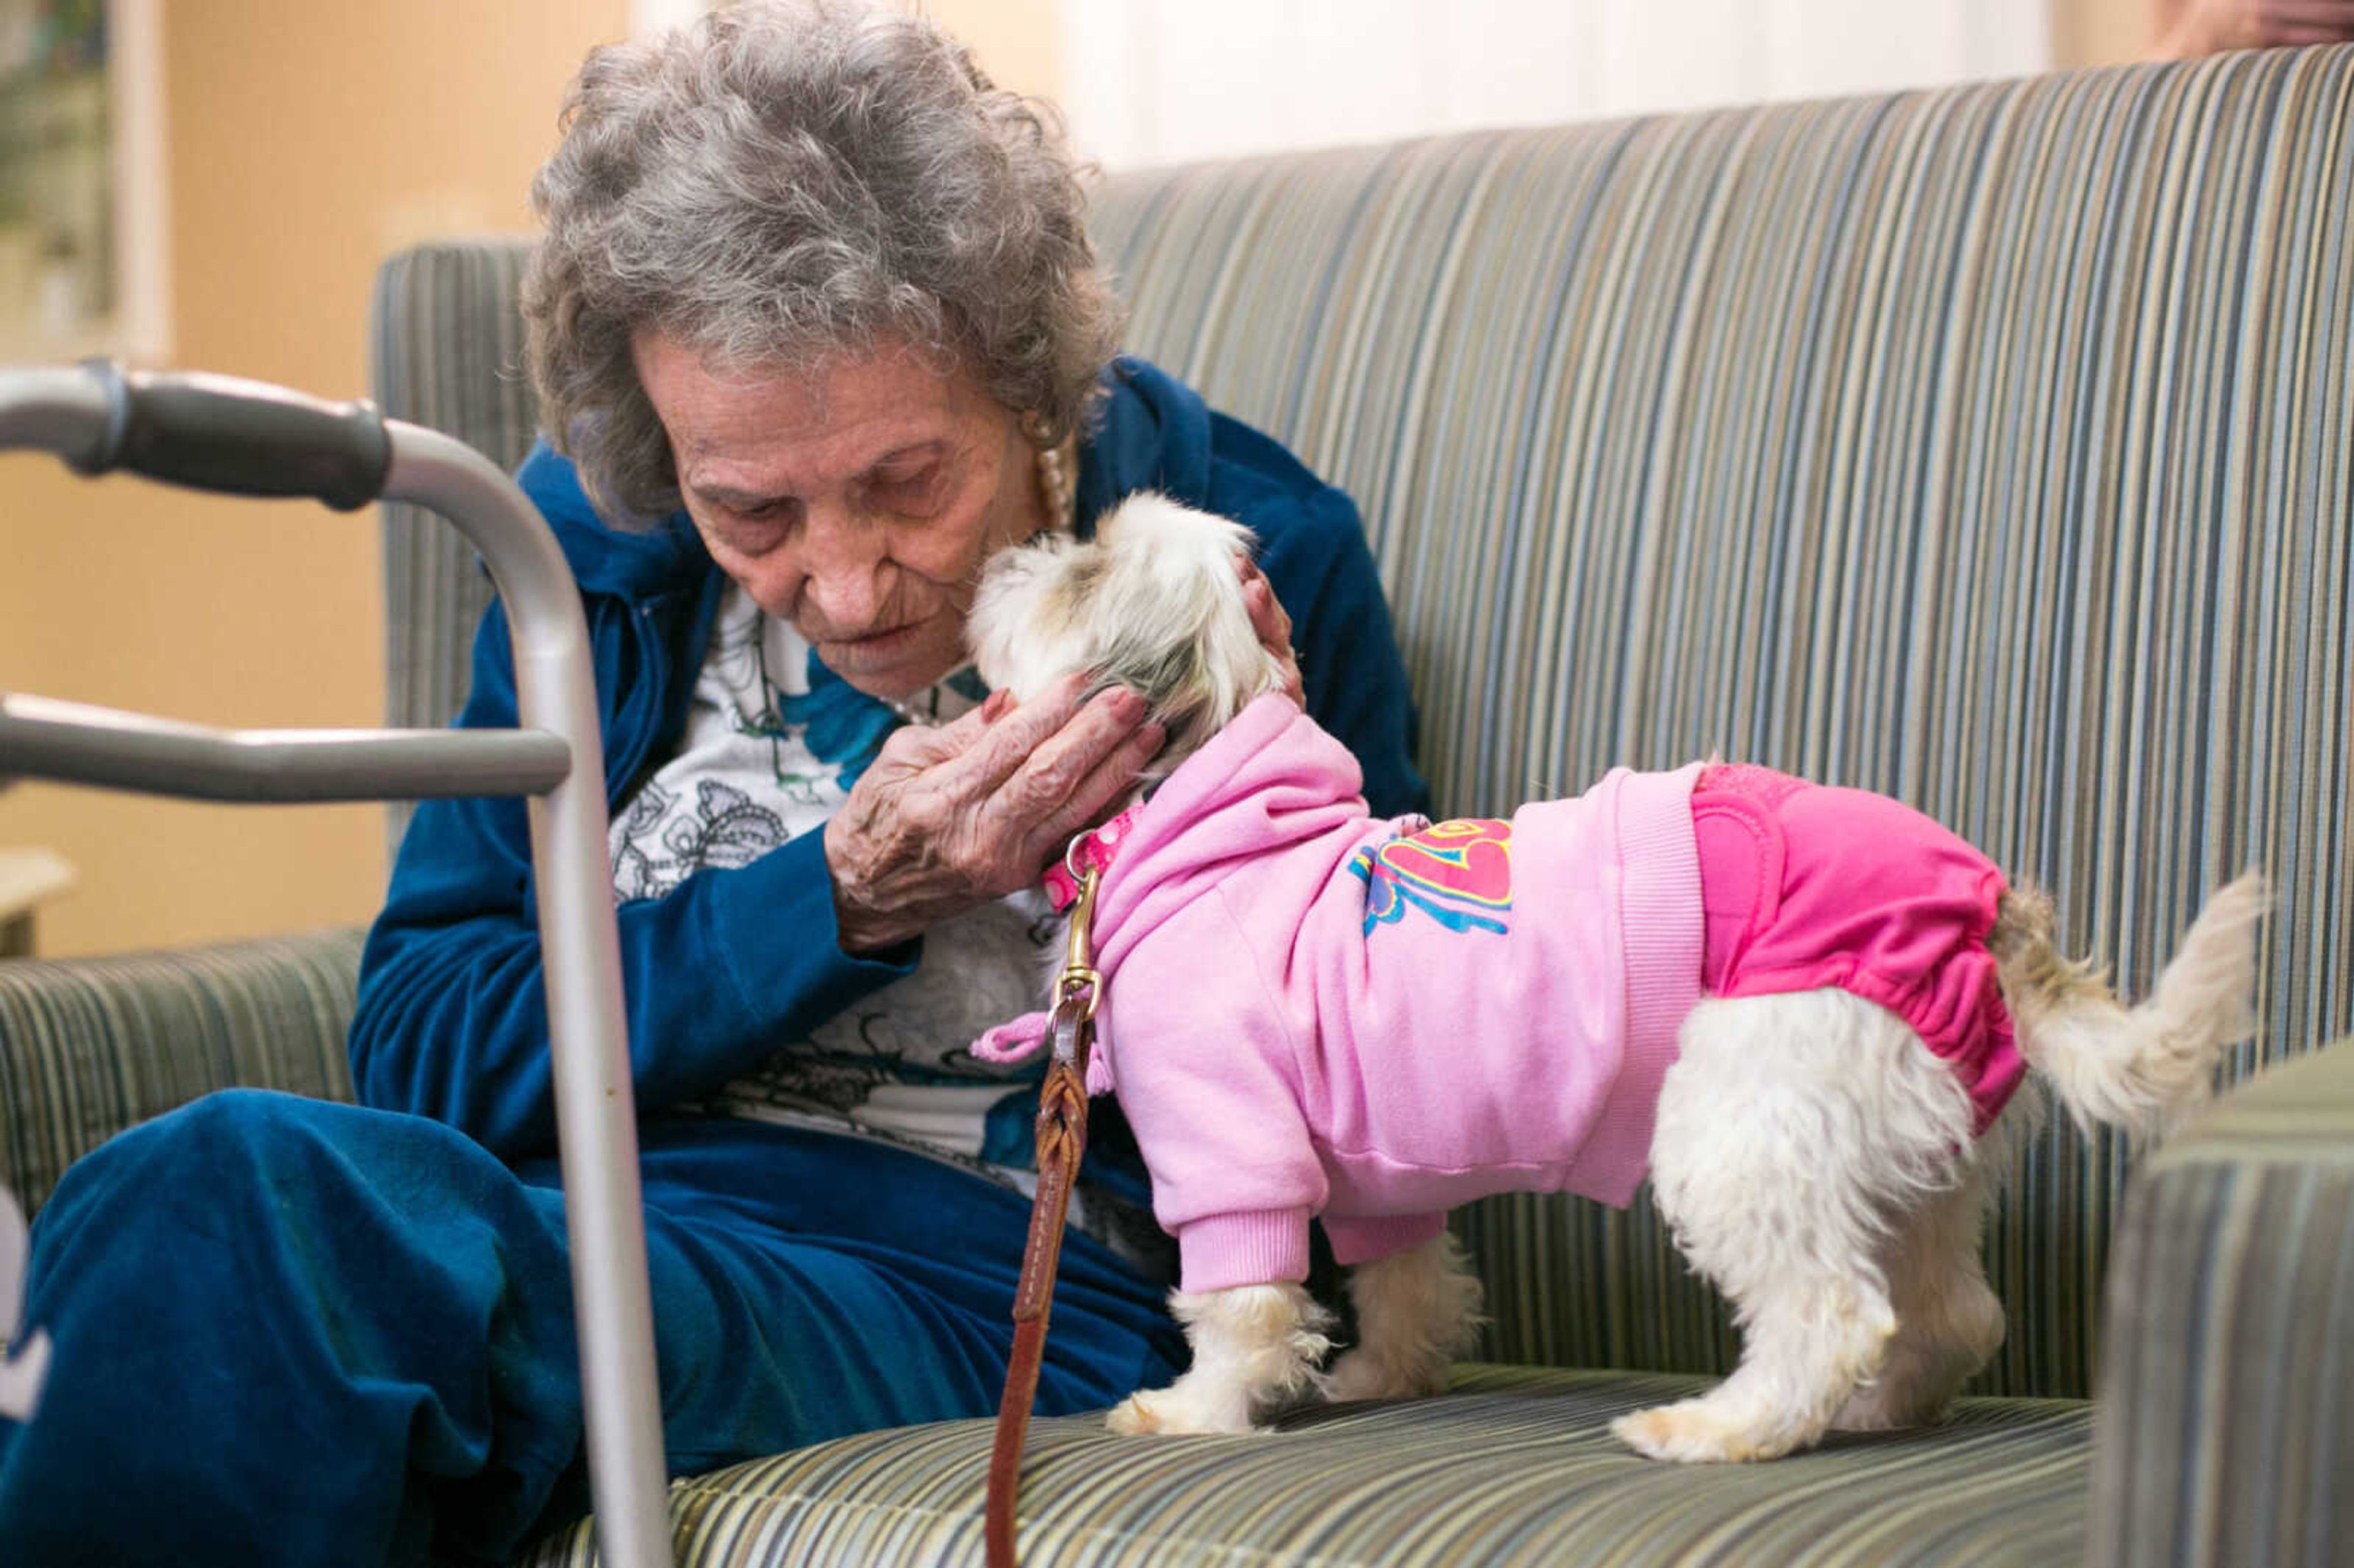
x,y
89,1046
2225,1423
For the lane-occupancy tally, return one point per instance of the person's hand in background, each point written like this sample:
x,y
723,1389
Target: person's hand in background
x,y
2185,30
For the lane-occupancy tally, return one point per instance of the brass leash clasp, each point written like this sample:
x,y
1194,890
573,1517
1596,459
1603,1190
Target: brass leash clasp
x,y
1080,984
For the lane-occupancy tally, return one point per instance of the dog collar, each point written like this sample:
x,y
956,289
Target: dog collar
x,y
1088,851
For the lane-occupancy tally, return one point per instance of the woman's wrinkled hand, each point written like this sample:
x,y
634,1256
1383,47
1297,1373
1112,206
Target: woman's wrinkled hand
x,y
1273,626
946,819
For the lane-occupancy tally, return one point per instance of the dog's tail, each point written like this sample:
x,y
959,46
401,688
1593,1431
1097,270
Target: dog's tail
x,y
2141,1068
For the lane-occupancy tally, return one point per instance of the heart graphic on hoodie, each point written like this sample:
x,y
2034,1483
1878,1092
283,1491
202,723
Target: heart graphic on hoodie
x,y
1450,871
1469,860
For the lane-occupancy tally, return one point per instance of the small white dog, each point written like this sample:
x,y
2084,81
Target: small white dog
x,y
1801,1012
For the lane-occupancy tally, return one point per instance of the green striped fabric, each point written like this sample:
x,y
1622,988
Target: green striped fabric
x,y
90,1047
1992,446
2225,1435
1515,1466
446,352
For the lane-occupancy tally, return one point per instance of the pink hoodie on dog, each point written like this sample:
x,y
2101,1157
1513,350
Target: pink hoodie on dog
x,y
1309,1010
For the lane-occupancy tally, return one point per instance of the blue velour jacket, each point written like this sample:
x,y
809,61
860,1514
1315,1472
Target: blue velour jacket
x,y
451,1021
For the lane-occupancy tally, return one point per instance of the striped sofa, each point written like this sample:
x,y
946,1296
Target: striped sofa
x,y
1992,446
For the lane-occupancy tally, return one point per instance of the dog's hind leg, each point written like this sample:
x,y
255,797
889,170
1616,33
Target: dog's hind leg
x,y
1791,1130
1418,1310
1949,1322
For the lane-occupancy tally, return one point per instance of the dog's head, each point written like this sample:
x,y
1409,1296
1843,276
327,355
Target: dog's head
x,y
1153,602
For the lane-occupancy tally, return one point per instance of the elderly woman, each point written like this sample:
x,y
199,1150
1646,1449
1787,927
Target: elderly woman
x,y
816,326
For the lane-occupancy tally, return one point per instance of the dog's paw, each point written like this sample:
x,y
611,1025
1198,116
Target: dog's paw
x,y
1168,1413
1358,1375
1134,1416
1694,1433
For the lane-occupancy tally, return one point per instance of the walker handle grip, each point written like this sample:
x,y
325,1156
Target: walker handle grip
x,y
240,438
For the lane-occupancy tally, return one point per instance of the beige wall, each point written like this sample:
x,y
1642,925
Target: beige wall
x,y
2099,32
1017,42
302,142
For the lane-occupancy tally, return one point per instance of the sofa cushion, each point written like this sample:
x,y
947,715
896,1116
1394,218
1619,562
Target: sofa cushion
x,y
2224,1435
90,1047
1515,1465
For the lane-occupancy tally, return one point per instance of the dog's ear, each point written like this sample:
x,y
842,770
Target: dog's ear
x,y
1020,631
1167,618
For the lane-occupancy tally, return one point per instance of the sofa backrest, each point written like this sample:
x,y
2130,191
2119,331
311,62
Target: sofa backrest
x,y
1987,446
445,351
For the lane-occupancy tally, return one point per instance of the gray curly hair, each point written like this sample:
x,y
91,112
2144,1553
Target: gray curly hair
x,y
785,182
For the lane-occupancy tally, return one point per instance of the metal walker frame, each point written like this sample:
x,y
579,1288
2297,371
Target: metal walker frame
x,y
246,438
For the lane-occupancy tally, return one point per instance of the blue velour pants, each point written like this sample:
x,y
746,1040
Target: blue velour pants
x,y
289,1332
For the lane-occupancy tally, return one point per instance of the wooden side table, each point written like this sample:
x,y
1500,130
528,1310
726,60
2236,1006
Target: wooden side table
x,y
29,878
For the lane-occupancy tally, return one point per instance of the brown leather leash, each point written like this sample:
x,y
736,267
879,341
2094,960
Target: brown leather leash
x,y
1062,1139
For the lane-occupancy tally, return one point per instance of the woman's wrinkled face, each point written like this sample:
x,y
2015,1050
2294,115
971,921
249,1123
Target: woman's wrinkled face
x,y
857,503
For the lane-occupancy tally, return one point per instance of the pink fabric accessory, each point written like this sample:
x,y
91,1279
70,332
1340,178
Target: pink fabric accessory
x,y
1092,853
1806,885
1025,1036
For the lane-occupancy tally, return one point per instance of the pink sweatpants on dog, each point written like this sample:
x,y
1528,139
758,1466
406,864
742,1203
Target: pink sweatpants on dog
x,y
1805,886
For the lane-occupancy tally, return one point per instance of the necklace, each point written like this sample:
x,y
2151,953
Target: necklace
x,y
1055,487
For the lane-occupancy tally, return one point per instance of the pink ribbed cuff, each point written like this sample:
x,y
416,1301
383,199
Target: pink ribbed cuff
x,y
1266,1246
1663,937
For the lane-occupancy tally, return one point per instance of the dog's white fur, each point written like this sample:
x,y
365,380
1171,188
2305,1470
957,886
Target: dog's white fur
x,y
1813,1158
1152,603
